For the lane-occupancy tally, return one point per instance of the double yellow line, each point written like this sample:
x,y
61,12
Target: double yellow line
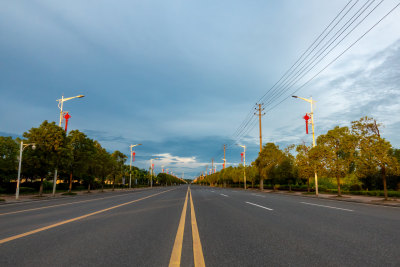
x,y
176,254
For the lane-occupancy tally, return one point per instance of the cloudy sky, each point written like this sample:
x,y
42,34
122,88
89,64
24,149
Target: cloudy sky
x,y
180,77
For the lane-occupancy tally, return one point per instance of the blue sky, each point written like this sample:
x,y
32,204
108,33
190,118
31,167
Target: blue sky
x,y
181,76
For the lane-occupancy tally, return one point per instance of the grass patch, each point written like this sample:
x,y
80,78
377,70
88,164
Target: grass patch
x,y
68,194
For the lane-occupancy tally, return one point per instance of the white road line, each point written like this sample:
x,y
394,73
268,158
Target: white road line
x,y
330,207
59,205
258,206
223,195
213,191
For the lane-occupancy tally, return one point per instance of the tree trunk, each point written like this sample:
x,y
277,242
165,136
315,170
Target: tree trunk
x,y
308,185
383,173
113,184
41,187
252,183
261,184
338,186
290,187
70,183
88,189
102,186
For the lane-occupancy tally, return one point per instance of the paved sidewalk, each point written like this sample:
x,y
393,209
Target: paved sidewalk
x,y
36,197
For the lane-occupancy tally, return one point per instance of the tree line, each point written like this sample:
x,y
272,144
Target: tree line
x,y
356,157
75,156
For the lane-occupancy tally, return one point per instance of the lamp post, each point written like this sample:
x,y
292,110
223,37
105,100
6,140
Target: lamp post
x,y
244,164
61,104
130,166
151,168
23,146
311,101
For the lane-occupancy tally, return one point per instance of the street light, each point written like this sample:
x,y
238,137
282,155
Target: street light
x,y
60,106
23,146
244,164
151,168
311,101
130,166
61,103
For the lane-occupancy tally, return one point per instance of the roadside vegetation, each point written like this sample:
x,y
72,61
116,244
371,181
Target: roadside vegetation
x,y
354,160
81,164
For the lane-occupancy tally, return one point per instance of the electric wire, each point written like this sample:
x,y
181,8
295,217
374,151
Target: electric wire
x,y
249,123
308,66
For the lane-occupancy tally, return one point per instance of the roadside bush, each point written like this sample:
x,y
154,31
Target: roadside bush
x,y
68,194
26,190
355,187
377,193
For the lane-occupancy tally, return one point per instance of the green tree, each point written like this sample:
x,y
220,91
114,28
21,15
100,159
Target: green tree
x,y
117,165
103,163
375,153
285,171
8,159
267,160
336,149
252,174
51,144
81,149
304,163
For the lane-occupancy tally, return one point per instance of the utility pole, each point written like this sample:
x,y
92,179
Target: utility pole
x,y
212,165
244,165
223,167
260,114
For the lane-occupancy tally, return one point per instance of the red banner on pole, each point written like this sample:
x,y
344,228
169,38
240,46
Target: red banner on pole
x,y
241,156
133,156
306,118
66,117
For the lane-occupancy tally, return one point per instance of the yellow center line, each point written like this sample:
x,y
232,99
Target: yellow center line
x,y
75,219
59,205
197,249
175,259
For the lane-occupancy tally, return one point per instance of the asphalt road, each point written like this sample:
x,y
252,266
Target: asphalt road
x,y
227,227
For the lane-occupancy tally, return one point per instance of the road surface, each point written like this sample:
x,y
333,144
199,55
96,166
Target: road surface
x,y
195,227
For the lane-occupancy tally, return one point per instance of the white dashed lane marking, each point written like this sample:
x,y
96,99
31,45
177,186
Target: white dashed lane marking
x,y
330,207
258,205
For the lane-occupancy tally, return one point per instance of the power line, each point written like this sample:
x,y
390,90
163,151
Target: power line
x,y
336,58
277,90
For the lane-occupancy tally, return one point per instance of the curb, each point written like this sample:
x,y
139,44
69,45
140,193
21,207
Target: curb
x,y
30,200
395,205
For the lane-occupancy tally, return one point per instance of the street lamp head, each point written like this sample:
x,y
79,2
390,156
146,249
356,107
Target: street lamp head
x,y
80,96
139,144
294,96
